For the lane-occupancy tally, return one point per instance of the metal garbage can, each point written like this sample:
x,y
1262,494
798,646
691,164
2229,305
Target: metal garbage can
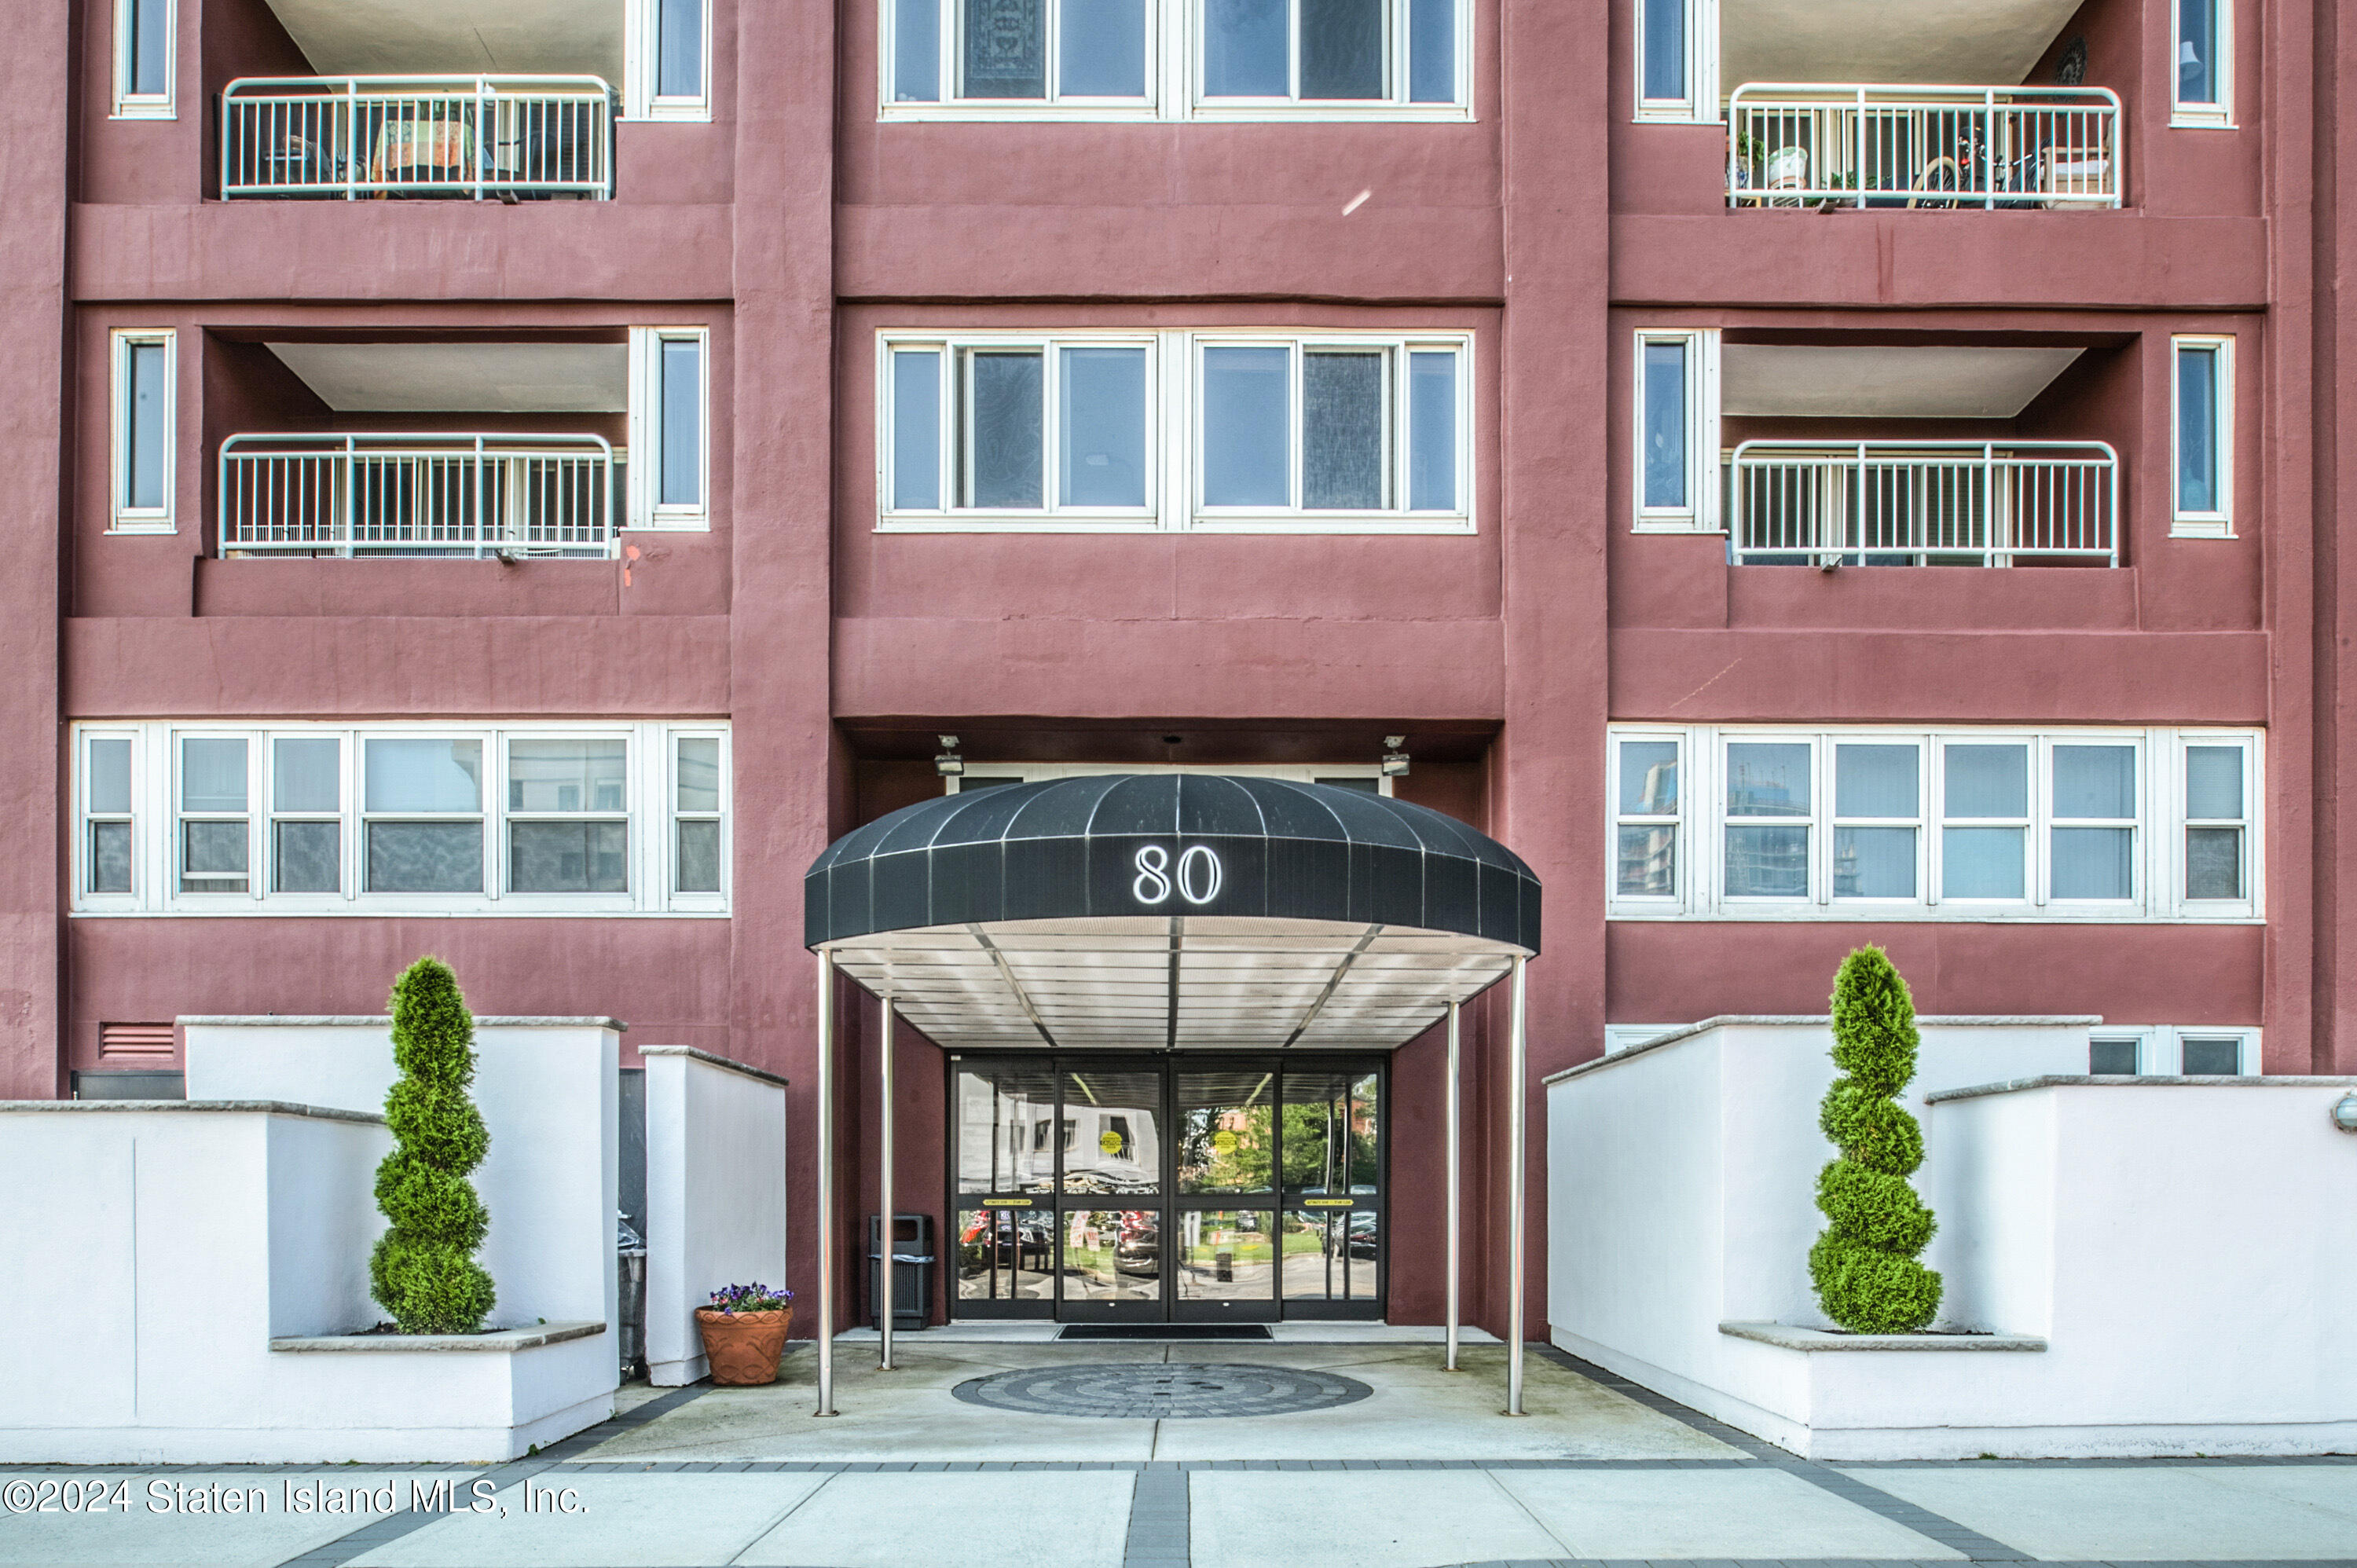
x,y
912,1271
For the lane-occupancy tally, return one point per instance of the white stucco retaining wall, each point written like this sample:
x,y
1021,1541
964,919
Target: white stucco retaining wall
x,y
715,1195
2134,1227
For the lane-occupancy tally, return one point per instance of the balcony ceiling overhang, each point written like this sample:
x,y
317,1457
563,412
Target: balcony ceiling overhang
x,y
366,37
1160,911
1787,381
1978,42
463,378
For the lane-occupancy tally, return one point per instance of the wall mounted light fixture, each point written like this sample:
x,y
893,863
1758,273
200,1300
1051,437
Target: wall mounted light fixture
x,y
1394,758
948,764
2344,1114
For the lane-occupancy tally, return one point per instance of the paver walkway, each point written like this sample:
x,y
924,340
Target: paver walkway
x,y
1421,1474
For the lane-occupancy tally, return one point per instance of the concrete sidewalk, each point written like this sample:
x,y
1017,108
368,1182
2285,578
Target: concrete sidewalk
x,y
1602,1472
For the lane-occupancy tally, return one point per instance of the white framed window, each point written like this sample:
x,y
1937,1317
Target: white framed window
x,y
404,818
1368,777
670,471
2201,421
1175,60
668,73
145,422
2203,67
1677,476
1106,431
2171,1050
1767,822
2115,1053
1676,59
146,59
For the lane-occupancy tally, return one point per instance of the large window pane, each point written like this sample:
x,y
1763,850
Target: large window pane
x,y
1247,426
1225,1255
1876,781
2196,429
1988,781
1007,416
1112,1254
1103,426
2197,51
1006,49
568,857
1874,863
1768,780
916,51
1007,1129
2213,862
1342,432
1226,1138
1112,1131
1982,862
567,774
212,857
143,480
699,773
1767,863
2093,862
1330,1254
1103,50
426,858
1665,50
1005,1255
682,422
1649,779
1665,424
110,776
149,52
1432,431
1432,52
1332,1126
1647,862
2213,783
1244,49
307,857
699,857
212,775
110,857
917,430
1341,48
679,50
303,775
2094,781
425,775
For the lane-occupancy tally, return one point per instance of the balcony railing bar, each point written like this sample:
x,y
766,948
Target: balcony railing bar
x,y
330,138
423,494
1860,145
1924,502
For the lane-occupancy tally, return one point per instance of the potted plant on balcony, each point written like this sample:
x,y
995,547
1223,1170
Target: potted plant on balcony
x,y
743,1332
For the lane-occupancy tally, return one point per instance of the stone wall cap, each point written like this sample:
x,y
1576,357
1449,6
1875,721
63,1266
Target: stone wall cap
x,y
2140,1081
1726,1020
502,1341
728,1063
261,1107
1785,1336
384,1020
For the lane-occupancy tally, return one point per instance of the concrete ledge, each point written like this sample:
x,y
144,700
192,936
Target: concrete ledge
x,y
500,1341
1726,1020
726,1063
2140,1081
1788,1337
265,1107
314,1021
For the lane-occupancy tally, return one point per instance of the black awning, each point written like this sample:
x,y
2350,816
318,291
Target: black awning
x,y
1170,844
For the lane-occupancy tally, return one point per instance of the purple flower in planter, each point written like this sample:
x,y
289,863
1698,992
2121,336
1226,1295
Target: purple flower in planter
x,y
755,1297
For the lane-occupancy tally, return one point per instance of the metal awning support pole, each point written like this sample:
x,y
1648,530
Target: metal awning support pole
x,y
1517,1138
885,1294
825,1184
1456,1184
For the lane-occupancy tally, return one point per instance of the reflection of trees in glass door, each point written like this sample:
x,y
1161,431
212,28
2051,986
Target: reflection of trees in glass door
x,y
1224,1247
1332,1234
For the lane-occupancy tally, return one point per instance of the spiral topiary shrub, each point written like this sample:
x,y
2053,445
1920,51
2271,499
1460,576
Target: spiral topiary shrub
x,y
1864,1266
423,1271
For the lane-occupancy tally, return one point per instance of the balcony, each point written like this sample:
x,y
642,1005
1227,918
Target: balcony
x,y
1810,145
1924,503
376,494
471,137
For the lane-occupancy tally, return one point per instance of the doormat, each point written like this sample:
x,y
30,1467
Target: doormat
x,y
1164,1331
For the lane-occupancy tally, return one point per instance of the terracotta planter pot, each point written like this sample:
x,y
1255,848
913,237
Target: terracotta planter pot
x,y
743,1346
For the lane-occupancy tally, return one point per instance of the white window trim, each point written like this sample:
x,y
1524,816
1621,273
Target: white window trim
x,y
1700,107
1173,418
685,902
130,106
2218,522
2160,1047
1174,75
1618,1037
2218,116
1704,461
123,517
1033,772
645,449
2160,826
156,819
641,63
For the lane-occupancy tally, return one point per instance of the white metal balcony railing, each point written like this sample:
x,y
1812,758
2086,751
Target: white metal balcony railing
x,y
344,137
429,494
1918,503
1799,145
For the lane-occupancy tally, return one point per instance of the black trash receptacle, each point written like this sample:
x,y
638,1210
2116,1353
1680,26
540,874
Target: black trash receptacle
x,y
912,1271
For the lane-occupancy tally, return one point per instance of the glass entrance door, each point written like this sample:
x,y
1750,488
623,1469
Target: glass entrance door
x,y
1122,1188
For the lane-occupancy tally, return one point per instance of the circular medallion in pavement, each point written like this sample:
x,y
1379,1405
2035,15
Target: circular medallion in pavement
x,y
1155,1391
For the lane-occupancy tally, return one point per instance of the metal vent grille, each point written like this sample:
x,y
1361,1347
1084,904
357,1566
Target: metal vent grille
x,y
118,1040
